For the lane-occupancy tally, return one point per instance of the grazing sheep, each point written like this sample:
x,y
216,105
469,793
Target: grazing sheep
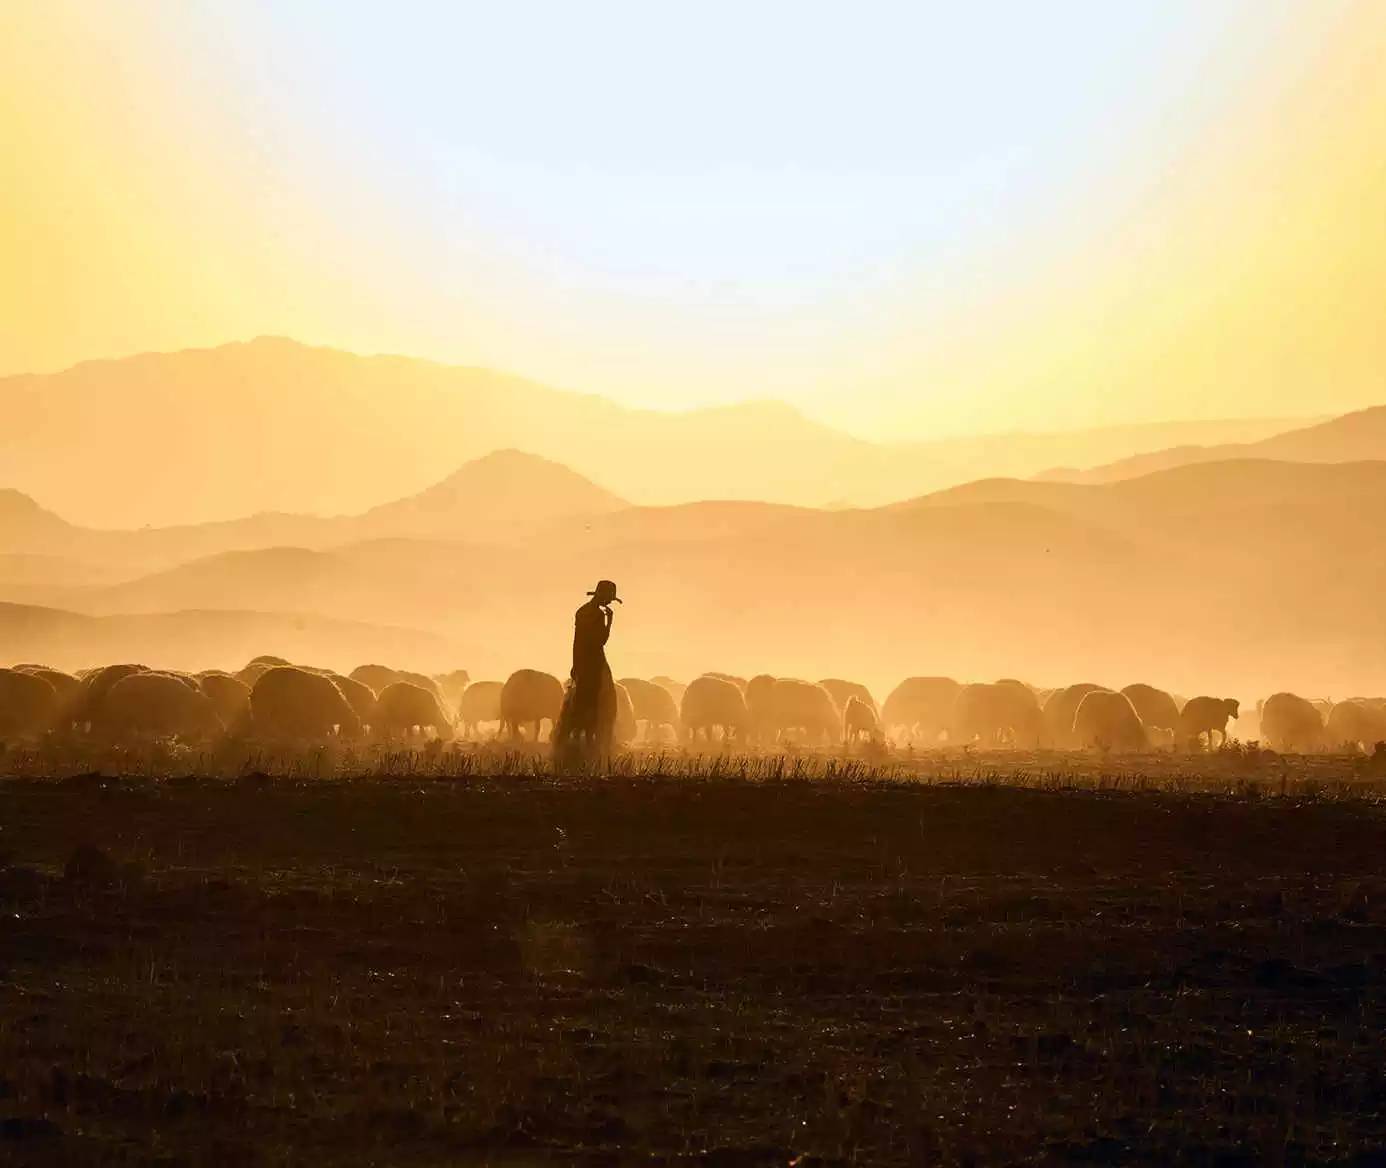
x,y
230,698
1356,724
1204,715
675,688
480,702
841,691
299,705
1291,724
403,706
921,707
1059,711
626,727
360,697
1000,714
1108,721
375,676
248,675
803,707
66,688
451,685
859,721
155,705
739,682
268,659
530,696
1155,708
96,682
762,725
710,703
653,705
28,704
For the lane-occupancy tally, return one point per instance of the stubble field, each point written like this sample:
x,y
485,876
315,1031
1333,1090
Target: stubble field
x,y
519,970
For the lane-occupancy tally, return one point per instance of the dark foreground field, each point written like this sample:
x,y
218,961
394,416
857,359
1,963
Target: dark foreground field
x,y
522,971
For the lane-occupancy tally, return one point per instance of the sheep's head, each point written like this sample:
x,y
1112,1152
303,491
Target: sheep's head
x,y
1232,707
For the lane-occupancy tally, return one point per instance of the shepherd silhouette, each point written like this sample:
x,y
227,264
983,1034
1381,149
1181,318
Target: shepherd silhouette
x,y
587,721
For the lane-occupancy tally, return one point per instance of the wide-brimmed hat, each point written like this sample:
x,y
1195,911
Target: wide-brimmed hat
x,y
606,586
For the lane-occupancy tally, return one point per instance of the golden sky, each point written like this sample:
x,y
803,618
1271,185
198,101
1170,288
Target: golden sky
x,y
906,219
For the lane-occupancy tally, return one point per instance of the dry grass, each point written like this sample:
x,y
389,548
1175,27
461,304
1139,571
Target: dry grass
x,y
718,963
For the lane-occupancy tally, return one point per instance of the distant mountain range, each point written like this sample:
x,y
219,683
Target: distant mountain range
x,y
1238,576
272,426
1353,437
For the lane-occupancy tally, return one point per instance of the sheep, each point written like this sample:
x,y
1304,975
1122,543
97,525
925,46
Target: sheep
x,y
402,706
841,691
360,697
653,705
530,696
451,685
1289,723
480,702
739,682
762,725
675,688
1355,723
297,704
1205,715
1155,708
155,705
66,689
268,659
1108,721
921,707
248,675
375,676
1059,711
96,682
710,703
28,704
859,720
1000,714
626,726
802,706
230,698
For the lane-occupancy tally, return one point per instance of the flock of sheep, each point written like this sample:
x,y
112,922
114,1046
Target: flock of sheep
x,y
275,701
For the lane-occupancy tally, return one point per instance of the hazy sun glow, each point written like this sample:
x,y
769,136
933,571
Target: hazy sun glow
x,y
904,218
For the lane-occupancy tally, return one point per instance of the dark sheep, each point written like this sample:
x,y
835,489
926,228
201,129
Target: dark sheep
x,y
28,705
1155,708
763,724
1290,723
1108,721
1356,724
840,691
999,715
451,685
403,707
1205,715
1059,711
530,697
299,705
675,688
653,705
360,697
713,703
802,707
155,705
230,698
921,707
860,721
481,702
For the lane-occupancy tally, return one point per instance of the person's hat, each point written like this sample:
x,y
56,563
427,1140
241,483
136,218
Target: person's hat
x,y
606,586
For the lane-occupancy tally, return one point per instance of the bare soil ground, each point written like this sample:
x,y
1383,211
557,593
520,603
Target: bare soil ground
x,y
522,971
